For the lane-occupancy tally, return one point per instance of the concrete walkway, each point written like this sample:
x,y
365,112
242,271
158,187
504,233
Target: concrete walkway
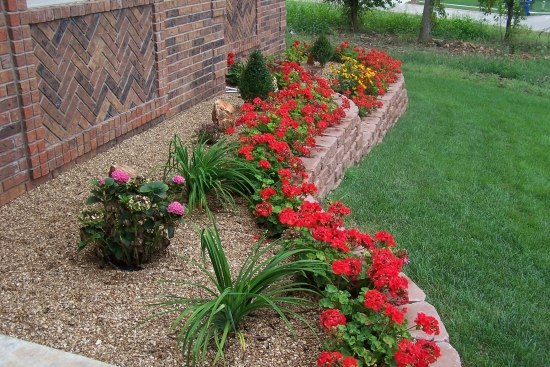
x,y
19,353
540,23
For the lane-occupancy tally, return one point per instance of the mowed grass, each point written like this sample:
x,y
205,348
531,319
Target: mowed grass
x,y
463,182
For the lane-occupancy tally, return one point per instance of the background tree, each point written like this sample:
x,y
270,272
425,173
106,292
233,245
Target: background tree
x,y
509,8
432,9
426,26
353,8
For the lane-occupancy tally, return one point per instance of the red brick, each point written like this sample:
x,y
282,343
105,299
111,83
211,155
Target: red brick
x,y
15,180
11,194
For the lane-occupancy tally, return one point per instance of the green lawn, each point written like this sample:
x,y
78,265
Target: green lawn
x,y
463,181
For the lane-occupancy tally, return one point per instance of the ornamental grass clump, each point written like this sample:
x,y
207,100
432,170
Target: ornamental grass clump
x,y
213,170
255,81
264,281
128,220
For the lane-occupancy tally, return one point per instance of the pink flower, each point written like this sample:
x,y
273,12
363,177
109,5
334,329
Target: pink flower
x,y
178,180
120,176
101,181
176,208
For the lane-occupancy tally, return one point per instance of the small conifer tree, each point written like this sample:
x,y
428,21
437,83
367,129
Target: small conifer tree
x,y
255,79
322,50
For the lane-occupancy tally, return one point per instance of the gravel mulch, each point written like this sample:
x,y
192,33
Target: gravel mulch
x,y
52,295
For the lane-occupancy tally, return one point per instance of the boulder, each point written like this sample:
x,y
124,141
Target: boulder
x,y
224,114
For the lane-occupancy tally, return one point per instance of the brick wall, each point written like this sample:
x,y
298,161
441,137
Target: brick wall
x,y
76,79
13,153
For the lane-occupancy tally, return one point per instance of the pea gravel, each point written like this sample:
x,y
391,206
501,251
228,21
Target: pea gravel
x,y
52,295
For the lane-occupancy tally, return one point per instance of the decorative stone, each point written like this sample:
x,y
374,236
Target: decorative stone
x,y
223,114
312,165
412,311
449,357
415,293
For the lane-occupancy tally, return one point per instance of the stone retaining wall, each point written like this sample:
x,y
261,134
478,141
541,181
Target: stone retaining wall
x,y
344,145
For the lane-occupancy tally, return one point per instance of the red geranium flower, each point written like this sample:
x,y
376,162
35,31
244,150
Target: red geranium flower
x,y
264,209
374,300
331,318
428,324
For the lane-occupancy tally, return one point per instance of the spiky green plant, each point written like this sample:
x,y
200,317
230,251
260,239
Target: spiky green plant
x,y
263,282
216,169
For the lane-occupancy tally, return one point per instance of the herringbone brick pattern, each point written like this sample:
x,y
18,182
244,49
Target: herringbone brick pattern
x,y
240,20
92,68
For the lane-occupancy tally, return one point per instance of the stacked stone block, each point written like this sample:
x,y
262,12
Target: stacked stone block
x,y
344,145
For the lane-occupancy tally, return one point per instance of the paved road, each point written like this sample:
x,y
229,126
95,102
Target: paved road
x,y
536,22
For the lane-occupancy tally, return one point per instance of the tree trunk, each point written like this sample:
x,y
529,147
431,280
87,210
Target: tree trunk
x,y
354,14
426,27
509,16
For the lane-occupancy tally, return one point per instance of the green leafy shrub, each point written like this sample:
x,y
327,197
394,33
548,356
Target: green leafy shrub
x,y
129,219
322,50
297,52
262,283
215,169
256,80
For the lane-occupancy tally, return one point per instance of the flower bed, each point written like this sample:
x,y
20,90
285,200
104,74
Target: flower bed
x,y
364,289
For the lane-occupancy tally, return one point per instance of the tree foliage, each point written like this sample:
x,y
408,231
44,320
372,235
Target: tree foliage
x,y
510,9
353,8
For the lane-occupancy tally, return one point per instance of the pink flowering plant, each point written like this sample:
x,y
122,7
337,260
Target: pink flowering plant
x,y
127,220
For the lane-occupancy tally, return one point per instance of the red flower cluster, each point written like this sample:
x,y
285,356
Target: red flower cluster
x,y
384,272
350,267
428,324
335,359
374,300
331,318
394,313
420,353
264,209
385,237
230,59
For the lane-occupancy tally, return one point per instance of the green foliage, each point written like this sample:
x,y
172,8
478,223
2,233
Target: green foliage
x,y
308,16
263,282
353,8
127,222
322,50
313,18
234,74
297,52
215,169
256,80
